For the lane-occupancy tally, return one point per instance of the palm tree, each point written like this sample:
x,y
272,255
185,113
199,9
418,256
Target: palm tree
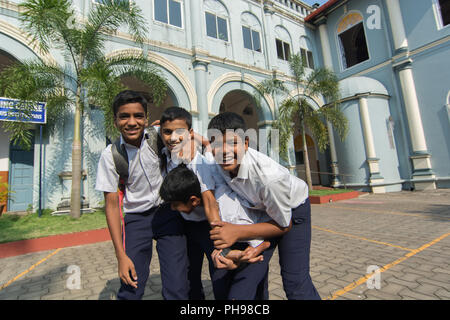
x,y
295,112
87,77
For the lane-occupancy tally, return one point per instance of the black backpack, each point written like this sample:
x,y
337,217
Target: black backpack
x,y
120,155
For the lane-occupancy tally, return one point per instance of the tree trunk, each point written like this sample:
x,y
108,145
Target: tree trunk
x,y
75,198
306,159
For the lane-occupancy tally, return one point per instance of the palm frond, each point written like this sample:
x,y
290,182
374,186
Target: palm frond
x,y
43,20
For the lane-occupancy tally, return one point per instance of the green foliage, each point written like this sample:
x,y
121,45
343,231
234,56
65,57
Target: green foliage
x,y
5,192
295,111
15,227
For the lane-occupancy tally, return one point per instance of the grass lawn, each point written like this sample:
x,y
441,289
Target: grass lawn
x,y
14,227
326,192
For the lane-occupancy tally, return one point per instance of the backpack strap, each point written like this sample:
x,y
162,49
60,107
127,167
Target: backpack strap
x,y
120,157
156,144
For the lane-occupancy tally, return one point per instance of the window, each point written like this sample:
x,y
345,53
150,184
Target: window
x,y
283,49
444,9
307,58
251,39
216,27
352,40
168,11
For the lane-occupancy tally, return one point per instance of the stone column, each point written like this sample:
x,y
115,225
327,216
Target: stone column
x,y
423,176
328,63
372,160
201,68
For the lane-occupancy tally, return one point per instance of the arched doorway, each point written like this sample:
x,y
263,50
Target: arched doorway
x,y
312,155
154,111
242,103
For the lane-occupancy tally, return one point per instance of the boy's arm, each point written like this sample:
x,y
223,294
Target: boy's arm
x,y
227,234
211,207
113,221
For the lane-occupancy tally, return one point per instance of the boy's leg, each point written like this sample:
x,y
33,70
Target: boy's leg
x,y
246,281
195,255
138,247
198,245
172,252
294,252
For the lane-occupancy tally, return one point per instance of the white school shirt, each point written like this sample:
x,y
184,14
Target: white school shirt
x,y
204,170
233,208
144,181
268,186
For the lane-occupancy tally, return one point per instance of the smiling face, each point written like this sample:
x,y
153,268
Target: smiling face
x,y
228,150
131,120
175,134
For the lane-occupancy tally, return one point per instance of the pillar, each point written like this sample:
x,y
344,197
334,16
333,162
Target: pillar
x,y
372,160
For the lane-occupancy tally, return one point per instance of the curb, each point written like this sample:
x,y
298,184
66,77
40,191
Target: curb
x,y
16,248
334,197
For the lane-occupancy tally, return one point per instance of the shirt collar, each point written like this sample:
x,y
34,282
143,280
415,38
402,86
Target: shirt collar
x,y
168,155
244,166
123,142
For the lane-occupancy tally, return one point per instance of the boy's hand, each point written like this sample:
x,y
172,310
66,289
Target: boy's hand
x,y
125,267
155,123
221,262
252,255
225,235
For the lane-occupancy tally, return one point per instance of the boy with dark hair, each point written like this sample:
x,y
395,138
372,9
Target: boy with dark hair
x,y
178,138
270,187
146,216
177,135
182,190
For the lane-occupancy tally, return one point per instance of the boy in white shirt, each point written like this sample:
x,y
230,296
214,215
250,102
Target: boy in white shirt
x,y
178,138
270,187
146,217
182,189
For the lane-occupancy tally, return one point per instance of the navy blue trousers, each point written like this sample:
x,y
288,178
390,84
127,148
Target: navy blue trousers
x,y
199,244
166,227
243,283
294,251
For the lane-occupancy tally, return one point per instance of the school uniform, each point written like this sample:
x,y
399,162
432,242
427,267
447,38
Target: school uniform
x,y
196,226
241,283
147,218
268,186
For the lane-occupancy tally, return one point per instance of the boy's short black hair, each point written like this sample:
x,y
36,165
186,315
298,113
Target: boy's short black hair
x,y
227,120
179,185
173,113
128,96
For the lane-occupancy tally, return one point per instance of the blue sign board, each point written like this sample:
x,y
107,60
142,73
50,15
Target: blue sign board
x,y
10,112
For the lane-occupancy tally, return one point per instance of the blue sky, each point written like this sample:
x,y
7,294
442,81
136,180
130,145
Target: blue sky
x,y
311,2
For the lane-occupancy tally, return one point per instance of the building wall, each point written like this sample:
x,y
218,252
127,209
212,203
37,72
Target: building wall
x,y
428,48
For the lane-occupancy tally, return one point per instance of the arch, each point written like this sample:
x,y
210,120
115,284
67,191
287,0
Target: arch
x,y
249,19
351,40
283,34
349,20
23,38
352,86
175,75
315,102
239,78
306,43
216,6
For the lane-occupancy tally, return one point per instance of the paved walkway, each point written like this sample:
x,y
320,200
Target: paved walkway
x,y
406,235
